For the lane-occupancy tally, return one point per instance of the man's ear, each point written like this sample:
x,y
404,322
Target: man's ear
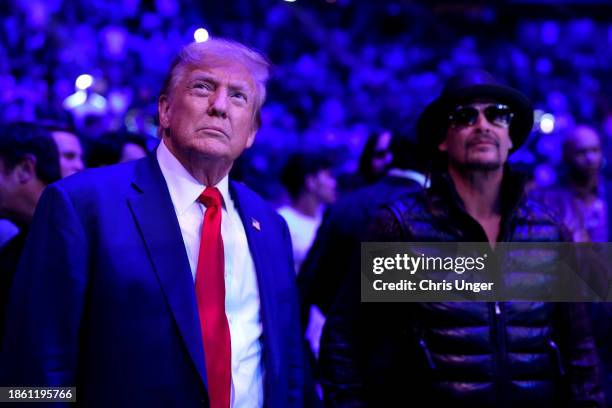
x,y
254,129
25,170
251,138
163,110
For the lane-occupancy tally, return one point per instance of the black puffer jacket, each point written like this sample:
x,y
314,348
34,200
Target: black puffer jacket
x,y
514,354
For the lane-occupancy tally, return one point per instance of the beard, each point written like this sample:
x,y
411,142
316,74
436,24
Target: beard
x,y
482,165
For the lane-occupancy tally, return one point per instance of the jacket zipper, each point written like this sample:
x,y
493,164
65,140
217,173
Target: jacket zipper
x,y
557,352
499,337
428,357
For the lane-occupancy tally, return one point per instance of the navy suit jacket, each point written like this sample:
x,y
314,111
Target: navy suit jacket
x,y
104,297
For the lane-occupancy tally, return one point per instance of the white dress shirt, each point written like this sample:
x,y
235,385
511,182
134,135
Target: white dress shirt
x,y
302,229
242,305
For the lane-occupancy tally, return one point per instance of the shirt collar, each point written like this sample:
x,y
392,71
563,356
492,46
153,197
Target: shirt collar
x,y
183,187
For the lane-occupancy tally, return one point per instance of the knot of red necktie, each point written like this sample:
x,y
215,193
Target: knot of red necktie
x,y
211,197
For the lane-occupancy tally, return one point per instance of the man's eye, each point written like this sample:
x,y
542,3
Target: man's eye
x,y
202,85
240,95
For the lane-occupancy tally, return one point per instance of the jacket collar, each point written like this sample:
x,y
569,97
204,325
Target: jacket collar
x,y
443,196
444,202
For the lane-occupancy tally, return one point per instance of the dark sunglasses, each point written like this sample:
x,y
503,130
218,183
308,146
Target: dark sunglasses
x,y
499,115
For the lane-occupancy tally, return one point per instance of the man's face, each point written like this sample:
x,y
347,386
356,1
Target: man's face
x,y
70,152
481,144
324,185
584,152
210,113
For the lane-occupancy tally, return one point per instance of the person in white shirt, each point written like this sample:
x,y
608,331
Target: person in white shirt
x,y
311,186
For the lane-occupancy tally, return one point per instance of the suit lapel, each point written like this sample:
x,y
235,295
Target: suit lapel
x,y
154,213
255,222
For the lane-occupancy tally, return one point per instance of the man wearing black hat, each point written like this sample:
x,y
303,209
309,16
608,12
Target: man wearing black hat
x,y
501,354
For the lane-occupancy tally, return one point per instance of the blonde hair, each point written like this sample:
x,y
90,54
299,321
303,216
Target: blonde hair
x,y
217,49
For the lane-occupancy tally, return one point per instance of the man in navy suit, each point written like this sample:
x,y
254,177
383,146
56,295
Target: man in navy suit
x,y
159,282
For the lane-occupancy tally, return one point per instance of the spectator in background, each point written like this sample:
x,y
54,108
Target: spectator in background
x,y
117,147
336,249
28,163
308,179
583,201
71,161
311,186
375,158
69,148
338,242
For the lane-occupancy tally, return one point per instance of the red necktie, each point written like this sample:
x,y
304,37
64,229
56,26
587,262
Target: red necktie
x,y
210,294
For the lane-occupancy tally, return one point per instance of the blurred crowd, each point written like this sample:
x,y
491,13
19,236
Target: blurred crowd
x,y
342,69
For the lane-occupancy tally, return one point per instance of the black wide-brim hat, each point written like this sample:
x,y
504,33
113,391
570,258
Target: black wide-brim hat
x,y
464,88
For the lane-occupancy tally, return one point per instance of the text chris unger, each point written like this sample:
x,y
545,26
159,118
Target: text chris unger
x,y
430,285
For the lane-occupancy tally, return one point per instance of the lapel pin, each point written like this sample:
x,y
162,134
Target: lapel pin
x,y
255,224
